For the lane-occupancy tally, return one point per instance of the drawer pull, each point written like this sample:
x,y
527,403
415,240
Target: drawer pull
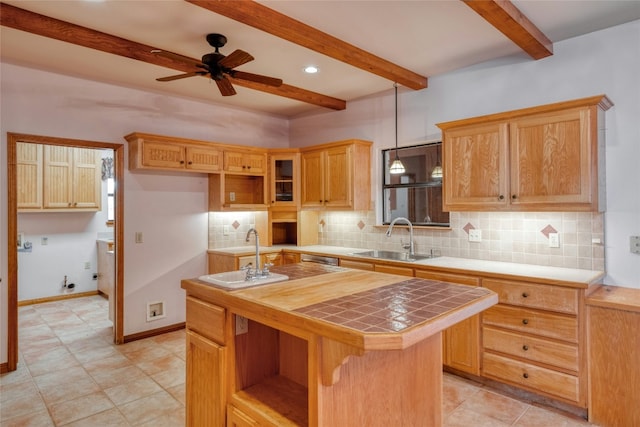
x,y
525,347
525,375
525,321
525,295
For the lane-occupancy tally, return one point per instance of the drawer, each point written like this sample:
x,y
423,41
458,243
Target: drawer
x,y
448,277
402,271
553,353
206,319
546,297
562,327
529,376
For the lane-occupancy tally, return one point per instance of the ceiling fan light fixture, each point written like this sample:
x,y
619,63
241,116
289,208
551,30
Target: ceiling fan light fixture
x,y
396,167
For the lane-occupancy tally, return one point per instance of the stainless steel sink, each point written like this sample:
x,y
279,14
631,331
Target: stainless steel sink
x,y
393,255
237,279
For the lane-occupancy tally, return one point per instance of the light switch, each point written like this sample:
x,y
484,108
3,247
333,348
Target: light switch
x,y
554,240
139,237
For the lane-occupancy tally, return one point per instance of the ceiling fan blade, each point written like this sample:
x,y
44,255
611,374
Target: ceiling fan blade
x,y
177,57
241,75
225,86
181,76
235,59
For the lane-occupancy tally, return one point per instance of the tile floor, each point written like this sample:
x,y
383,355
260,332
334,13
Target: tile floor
x,y
69,374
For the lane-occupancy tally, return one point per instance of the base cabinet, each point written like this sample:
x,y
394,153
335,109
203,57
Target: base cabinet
x,y
205,382
534,338
237,418
460,342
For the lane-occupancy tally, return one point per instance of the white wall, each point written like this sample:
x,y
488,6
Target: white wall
x,y
170,210
604,62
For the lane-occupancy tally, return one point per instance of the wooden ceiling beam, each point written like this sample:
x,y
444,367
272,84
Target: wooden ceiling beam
x,y
275,23
508,19
23,20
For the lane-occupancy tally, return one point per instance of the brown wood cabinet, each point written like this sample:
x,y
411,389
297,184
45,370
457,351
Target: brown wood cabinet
x,y
284,178
206,380
29,171
254,163
460,342
167,153
337,176
546,158
535,339
58,178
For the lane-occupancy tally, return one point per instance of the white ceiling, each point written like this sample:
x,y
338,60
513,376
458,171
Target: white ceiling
x,y
427,37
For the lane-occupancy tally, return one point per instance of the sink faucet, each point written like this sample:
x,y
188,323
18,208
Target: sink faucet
x,y
254,231
400,218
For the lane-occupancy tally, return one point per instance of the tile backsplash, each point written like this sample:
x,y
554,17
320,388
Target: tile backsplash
x,y
521,237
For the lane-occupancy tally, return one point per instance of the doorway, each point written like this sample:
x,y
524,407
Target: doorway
x,y
12,219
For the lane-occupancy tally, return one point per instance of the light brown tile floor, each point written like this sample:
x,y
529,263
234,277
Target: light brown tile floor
x,y
70,374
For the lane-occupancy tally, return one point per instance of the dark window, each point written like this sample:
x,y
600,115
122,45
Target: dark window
x,y
415,194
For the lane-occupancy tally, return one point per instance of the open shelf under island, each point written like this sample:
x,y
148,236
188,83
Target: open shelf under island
x,y
329,347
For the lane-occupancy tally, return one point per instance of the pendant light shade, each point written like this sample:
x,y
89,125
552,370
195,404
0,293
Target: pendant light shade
x,y
436,173
396,167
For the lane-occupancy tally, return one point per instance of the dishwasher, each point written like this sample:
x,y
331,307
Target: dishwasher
x,y
326,260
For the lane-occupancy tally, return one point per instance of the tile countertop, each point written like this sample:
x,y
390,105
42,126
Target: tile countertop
x,y
502,269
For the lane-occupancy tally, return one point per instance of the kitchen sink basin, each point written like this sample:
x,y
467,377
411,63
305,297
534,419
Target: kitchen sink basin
x,y
393,255
237,279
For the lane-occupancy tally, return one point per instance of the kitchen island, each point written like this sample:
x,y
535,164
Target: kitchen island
x,y
329,347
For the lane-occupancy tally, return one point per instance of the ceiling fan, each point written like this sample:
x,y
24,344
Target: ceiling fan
x,y
219,66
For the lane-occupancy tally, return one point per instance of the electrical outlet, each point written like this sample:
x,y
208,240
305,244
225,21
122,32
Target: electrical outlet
x,y
475,235
242,325
226,229
554,240
87,265
232,196
44,241
634,244
139,237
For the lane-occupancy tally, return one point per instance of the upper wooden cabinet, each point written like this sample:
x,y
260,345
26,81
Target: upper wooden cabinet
x,y
284,178
168,153
547,158
29,171
254,163
58,178
337,175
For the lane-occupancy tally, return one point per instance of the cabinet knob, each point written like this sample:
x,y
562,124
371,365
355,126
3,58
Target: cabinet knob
x,y
525,321
525,347
244,167
326,201
182,162
525,375
249,167
514,197
190,162
525,295
501,197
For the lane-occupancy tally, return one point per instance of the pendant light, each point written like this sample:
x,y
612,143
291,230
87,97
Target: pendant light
x,y
396,167
436,173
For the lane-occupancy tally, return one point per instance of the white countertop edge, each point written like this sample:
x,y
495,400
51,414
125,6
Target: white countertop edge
x,y
496,267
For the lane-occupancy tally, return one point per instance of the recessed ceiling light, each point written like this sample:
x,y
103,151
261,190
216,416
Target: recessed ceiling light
x,y
311,69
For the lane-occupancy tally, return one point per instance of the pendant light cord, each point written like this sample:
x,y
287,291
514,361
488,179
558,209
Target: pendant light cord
x,y
395,86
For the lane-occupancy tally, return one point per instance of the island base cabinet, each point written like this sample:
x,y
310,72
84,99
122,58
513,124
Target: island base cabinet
x,y
385,388
206,382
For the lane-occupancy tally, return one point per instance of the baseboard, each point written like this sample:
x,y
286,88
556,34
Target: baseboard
x,y
4,368
56,298
154,332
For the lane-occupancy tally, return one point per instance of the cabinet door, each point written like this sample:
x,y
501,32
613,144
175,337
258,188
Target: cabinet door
x,y
460,342
163,155
475,163
86,185
58,169
338,184
284,179
203,159
29,174
273,258
312,179
205,382
551,159
239,162
290,258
